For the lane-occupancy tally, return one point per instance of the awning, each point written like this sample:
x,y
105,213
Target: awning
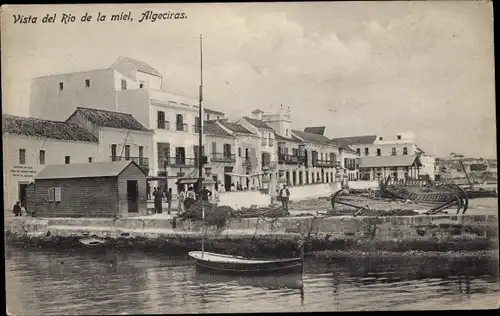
x,y
242,175
187,181
156,178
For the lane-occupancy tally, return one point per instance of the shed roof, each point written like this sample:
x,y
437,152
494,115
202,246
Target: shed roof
x,y
211,127
388,161
310,137
357,140
84,170
320,130
235,127
140,66
29,126
105,118
258,123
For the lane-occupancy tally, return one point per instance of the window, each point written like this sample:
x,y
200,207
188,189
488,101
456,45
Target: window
x,y
393,151
22,156
239,151
55,194
124,84
67,160
287,132
405,151
141,85
227,149
179,122
141,152
160,119
358,151
208,117
399,137
127,152
61,86
41,157
379,152
380,138
87,83
218,117
90,159
197,124
367,152
113,152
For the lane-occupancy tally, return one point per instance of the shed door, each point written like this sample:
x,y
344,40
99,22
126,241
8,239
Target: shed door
x,y
132,196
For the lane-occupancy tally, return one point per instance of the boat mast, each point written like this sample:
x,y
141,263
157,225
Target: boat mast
x,y
200,145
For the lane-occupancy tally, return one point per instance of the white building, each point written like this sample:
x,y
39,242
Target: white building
x,y
120,135
381,156
29,144
133,87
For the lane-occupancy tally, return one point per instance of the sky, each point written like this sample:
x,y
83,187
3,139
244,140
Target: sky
x,y
358,68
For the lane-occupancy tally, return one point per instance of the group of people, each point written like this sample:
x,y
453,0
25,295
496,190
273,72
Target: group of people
x,y
186,199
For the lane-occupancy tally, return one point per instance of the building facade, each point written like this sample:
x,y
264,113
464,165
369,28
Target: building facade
x,y
133,87
30,144
378,156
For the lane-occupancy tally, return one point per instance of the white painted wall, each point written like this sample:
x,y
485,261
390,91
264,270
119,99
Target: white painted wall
x,y
47,101
150,81
55,152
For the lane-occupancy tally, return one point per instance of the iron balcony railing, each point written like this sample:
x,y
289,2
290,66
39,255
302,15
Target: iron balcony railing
x,y
223,157
177,162
290,159
181,127
323,163
163,125
246,161
141,161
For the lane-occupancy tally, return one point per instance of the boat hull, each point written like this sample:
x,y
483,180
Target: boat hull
x,y
249,266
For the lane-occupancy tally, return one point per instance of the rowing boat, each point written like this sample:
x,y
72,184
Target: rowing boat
x,y
92,242
222,263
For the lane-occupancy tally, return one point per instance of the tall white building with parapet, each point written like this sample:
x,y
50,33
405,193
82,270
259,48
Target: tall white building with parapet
x,y
133,87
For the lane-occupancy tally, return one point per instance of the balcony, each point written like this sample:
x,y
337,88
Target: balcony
x,y
323,163
177,162
223,157
165,125
290,159
247,162
181,127
141,161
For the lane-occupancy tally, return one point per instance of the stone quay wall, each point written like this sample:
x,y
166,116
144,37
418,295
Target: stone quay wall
x,y
273,237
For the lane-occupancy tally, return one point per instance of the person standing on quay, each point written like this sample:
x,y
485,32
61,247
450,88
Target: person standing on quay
x,y
284,196
182,198
17,209
169,200
158,195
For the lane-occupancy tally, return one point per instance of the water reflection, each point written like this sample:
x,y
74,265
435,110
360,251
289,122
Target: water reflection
x,y
43,282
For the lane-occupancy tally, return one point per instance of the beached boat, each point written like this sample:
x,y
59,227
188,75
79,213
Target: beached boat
x,y
236,264
92,242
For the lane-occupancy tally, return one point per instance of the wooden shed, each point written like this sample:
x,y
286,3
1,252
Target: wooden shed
x,y
99,189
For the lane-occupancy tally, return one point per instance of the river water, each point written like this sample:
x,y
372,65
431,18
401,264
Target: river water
x,y
43,282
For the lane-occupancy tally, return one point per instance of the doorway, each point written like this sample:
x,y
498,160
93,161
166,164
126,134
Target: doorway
x,y
23,187
294,177
132,196
227,178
